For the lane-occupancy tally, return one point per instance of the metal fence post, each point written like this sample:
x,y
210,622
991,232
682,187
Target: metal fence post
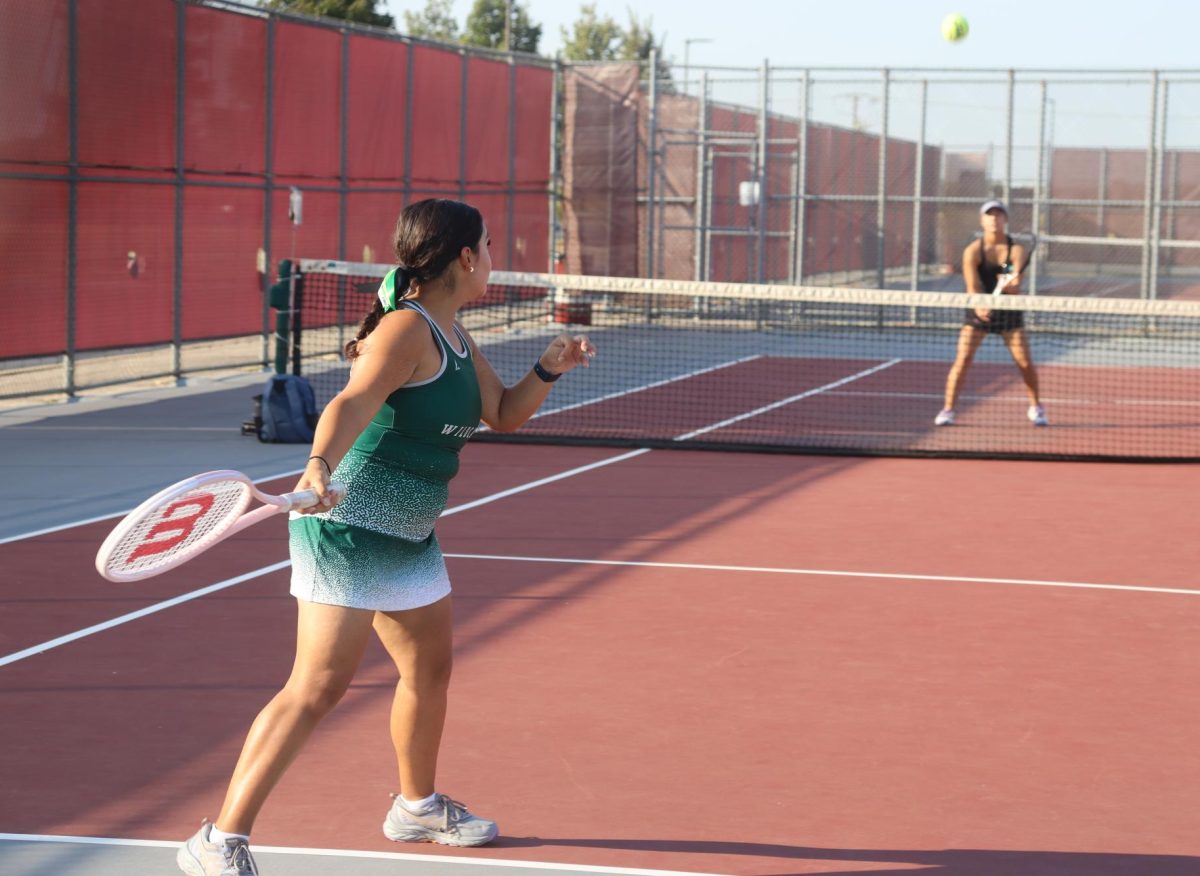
x,y
268,188
463,118
1039,192
700,202
1008,137
800,183
651,163
881,203
1148,209
72,194
919,191
1156,206
762,177
555,165
510,195
180,108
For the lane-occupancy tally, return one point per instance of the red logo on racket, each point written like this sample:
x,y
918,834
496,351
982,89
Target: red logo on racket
x,y
181,526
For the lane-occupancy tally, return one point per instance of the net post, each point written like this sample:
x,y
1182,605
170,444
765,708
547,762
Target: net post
x,y
296,287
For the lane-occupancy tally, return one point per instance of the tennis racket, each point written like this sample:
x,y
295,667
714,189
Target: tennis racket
x,y
1006,279
186,519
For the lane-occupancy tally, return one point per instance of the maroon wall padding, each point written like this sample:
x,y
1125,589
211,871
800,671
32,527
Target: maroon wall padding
x,y
601,184
307,100
221,232
34,92
131,191
376,105
225,121
530,233
33,250
126,83
485,146
437,98
123,300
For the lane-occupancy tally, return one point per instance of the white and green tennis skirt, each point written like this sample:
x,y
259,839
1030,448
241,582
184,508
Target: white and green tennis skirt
x,y
341,564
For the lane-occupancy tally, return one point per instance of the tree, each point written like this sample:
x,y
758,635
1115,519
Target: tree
x,y
485,27
360,11
598,38
434,22
591,38
637,41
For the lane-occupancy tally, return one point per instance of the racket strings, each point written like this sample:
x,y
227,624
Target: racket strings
x,y
180,523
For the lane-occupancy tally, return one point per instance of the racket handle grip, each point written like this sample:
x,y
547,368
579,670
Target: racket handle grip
x,y
307,498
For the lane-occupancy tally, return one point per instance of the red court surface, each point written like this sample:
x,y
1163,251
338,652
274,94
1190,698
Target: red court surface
x,y
717,663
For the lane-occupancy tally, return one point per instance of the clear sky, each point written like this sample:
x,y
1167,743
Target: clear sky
x,y
1051,35
1055,34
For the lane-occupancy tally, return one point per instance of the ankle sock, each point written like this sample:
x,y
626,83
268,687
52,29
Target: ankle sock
x,y
219,836
418,807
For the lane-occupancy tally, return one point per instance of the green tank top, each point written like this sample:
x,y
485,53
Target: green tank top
x,y
398,471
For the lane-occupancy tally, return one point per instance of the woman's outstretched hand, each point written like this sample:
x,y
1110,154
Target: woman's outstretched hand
x,y
567,351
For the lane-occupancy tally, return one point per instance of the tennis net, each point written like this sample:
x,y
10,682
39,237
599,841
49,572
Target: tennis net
x,y
809,368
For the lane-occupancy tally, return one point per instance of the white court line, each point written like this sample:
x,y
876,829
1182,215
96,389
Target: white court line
x,y
1152,402
430,860
229,582
140,613
834,573
60,527
624,392
787,401
122,428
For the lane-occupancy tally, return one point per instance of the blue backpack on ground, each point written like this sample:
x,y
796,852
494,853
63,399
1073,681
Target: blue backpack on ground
x,y
289,410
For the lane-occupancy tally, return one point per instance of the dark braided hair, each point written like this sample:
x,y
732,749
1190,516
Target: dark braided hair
x,y
429,236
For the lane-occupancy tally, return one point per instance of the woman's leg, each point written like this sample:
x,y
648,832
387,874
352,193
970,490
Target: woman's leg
x,y
420,643
330,641
969,339
1018,346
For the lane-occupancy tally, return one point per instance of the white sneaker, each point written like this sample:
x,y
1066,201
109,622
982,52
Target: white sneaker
x,y
944,418
448,822
1037,415
199,857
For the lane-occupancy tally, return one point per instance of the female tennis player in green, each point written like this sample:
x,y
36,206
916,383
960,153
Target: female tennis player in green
x,y
418,388
992,259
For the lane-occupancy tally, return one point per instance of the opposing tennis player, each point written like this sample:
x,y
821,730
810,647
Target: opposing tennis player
x,y
418,388
993,264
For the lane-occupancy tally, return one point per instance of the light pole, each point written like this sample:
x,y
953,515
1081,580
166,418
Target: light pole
x,y
687,46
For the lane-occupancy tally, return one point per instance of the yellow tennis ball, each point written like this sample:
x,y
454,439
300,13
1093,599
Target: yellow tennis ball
x,y
954,27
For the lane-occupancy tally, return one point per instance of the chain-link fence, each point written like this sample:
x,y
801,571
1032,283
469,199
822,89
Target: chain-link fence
x,y
158,157
875,177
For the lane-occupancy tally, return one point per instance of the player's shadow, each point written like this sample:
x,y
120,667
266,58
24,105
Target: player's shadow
x,y
943,862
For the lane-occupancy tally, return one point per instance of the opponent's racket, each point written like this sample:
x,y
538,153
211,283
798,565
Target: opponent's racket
x,y
186,519
1005,279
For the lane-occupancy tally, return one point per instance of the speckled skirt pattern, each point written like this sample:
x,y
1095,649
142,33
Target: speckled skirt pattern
x,y
376,548
340,564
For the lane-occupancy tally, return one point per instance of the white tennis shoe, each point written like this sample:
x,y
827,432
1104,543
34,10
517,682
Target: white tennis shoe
x,y
945,417
447,822
199,857
1037,415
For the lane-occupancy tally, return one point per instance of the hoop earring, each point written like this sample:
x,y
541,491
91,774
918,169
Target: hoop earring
x,y
471,269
